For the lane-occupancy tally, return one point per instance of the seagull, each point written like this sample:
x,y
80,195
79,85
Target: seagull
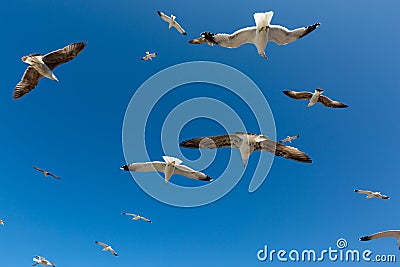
x,y
172,22
149,56
289,139
106,247
371,194
2,222
247,144
258,35
40,65
314,98
42,261
46,173
136,217
170,166
390,233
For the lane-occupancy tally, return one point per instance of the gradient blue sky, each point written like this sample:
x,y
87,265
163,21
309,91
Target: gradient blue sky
x,y
73,128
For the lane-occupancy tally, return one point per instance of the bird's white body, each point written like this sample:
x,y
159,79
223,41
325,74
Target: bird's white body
x,y
263,21
247,146
37,63
172,22
2,222
315,97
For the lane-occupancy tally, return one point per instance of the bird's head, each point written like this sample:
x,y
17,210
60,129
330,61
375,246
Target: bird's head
x,y
319,90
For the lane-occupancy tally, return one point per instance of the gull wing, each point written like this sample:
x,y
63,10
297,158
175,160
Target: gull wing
x,y
227,140
104,245
129,214
145,219
179,28
39,169
54,176
390,233
190,173
164,17
366,192
28,82
326,101
281,35
298,95
281,150
63,55
236,39
155,166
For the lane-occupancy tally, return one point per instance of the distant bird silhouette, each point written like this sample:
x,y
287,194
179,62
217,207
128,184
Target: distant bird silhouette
x,y
371,194
46,173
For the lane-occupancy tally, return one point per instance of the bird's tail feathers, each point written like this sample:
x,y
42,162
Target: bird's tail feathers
x,y
263,19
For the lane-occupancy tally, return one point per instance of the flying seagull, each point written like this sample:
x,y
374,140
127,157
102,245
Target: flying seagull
x,y
390,233
149,56
136,217
169,167
289,139
258,35
106,247
314,98
172,22
46,173
247,144
371,194
40,65
42,261
2,222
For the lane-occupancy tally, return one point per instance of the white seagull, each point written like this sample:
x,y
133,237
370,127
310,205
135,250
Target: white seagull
x,y
371,194
289,139
2,222
247,144
169,167
390,233
42,261
136,217
106,247
314,98
171,22
40,65
258,35
149,56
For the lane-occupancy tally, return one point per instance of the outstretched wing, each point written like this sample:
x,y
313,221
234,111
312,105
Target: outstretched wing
x,y
190,173
326,101
164,17
365,192
390,233
63,55
145,219
179,28
128,214
155,166
281,35
28,82
104,245
283,151
227,140
298,95
39,169
54,176
236,39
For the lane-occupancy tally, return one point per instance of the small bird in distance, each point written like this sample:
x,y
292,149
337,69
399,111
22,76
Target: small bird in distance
x,y
136,217
46,173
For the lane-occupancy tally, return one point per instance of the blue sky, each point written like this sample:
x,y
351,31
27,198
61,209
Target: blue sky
x,y
73,128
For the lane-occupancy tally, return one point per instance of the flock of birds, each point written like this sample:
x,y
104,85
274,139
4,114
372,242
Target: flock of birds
x,y
263,32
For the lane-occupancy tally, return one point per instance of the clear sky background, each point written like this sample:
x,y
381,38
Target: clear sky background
x,y
73,128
